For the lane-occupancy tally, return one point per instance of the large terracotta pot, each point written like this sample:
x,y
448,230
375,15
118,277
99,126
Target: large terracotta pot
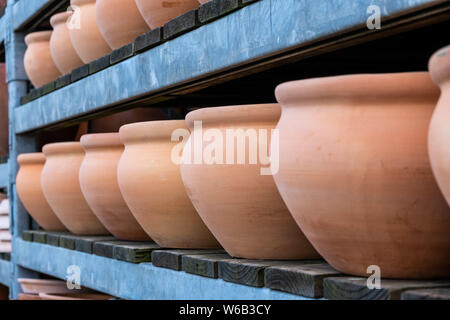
x,y
61,186
439,135
151,185
239,204
28,183
38,61
355,173
4,118
119,21
98,180
157,12
85,35
61,48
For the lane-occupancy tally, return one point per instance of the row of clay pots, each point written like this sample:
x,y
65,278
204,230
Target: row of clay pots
x,y
93,29
354,174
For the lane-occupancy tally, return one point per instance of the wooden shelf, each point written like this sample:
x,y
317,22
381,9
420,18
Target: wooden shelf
x,y
5,272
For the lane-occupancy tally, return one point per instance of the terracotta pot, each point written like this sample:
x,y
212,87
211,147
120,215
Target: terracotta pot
x,y
355,174
28,183
240,205
439,135
151,186
119,21
61,186
4,118
98,180
61,48
38,62
86,37
36,286
24,296
157,12
75,296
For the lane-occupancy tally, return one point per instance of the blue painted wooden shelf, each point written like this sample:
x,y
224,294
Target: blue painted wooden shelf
x,y
135,281
5,272
4,175
214,50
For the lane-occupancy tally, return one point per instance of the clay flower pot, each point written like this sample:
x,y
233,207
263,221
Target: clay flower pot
x,y
240,205
151,185
354,172
157,12
38,61
61,186
61,48
98,180
28,183
439,135
119,21
84,32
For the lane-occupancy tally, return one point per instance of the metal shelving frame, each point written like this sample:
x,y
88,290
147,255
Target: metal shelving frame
x,y
229,47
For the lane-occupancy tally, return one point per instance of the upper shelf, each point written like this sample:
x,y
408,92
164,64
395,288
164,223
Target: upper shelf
x,y
27,15
228,47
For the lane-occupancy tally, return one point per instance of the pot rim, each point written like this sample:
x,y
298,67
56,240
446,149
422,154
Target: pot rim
x,y
149,130
99,140
81,2
439,64
362,86
60,18
31,158
62,147
40,36
250,113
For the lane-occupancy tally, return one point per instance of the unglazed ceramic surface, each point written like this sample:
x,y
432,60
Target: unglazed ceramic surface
x,y
157,12
85,34
61,187
355,173
241,206
28,184
119,21
61,48
151,185
38,61
98,181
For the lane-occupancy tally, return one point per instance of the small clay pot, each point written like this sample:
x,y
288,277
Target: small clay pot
x,y
354,172
439,134
119,21
28,183
4,118
38,61
85,34
61,187
61,48
98,180
157,12
151,185
239,204
75,296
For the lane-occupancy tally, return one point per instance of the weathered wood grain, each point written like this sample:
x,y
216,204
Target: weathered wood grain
x,y
39,236
135,252
86,244
355,288
27,235
205,265
172,259
427,294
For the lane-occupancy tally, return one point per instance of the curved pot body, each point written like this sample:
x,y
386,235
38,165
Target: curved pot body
x,y
151,185
4,118
439,135
28,183
157,12
61,186
38,61
98,181
355,173
61,48
240,205
85,34
119,21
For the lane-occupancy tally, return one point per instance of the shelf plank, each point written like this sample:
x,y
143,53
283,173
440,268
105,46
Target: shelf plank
x,y
427,294
4,171
142,281
303,279
172,259
355,288
5,272
225,47
205,265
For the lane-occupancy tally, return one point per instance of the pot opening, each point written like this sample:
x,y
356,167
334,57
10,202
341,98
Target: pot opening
x,y
60,18
41,36
150,130
62,148
31,158
101,140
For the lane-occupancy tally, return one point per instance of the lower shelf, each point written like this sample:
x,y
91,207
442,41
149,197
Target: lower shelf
x,y
134,281
5,272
